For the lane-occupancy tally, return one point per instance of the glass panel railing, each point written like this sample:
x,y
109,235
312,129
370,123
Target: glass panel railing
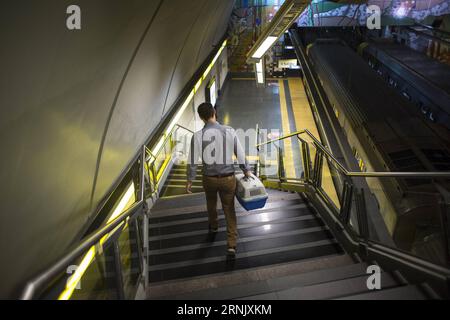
x,y
332,183
108,271
407,211
130,260
97,283
412,211
268,159
324,173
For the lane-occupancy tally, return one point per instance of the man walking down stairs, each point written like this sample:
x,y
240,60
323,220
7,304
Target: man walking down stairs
x,y
213,147
285,251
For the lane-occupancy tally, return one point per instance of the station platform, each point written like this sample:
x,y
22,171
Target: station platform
x,y
282,107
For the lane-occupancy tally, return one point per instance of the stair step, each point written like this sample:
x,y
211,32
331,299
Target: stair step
x,y
243,219
329,290
229,285
245,261
196,204
171,191
181,182
201,236
270,286
410,292
200,216
256,243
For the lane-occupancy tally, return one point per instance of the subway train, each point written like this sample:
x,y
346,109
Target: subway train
x,y
422,80
386,134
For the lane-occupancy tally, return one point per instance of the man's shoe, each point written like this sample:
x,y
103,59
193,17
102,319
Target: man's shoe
x,y
231,251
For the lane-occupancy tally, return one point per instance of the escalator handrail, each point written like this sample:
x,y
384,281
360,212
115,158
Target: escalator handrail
x,y
343,170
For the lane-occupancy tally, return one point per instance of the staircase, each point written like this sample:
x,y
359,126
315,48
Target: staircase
x,y
238,59
175,184
285,251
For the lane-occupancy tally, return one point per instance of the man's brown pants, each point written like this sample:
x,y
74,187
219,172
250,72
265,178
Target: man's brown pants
x,y
226,187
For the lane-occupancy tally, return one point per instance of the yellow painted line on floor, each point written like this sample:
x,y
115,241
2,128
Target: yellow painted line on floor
x,y
304,119
288,155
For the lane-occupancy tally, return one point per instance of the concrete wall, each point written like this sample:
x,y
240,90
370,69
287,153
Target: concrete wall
x,y
75,106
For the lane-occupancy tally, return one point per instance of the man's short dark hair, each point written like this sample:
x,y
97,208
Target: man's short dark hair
x,y
206,111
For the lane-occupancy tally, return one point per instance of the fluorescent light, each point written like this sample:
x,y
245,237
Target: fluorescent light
x,y
259,66
260,78
179,114
260,72
264,47
212,93
205,74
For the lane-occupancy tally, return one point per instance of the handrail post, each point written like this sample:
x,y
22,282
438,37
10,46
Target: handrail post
x,y
361,211
306,158
257,169
145,219
444,205
281,171
318,168
346,206
142,174
118,271
145,231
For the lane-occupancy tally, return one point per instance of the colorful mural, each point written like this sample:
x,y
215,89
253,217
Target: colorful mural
x,y
250,16
327,13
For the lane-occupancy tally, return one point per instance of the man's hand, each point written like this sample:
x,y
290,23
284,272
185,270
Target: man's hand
x,y
189,187
248,174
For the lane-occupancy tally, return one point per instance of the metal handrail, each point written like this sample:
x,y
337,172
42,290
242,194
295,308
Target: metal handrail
x,y
338,165
154,156
359,242
38,282
183,127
